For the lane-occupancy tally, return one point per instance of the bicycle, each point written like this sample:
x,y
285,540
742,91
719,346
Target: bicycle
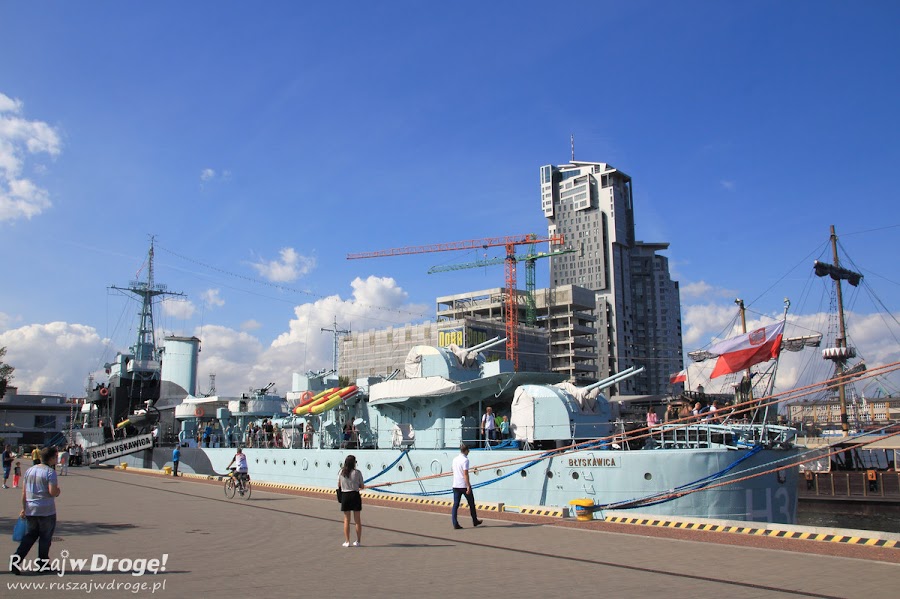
x,y
237,483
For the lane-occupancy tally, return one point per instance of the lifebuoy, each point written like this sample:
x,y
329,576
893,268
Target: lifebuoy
x,y
306,396
198,412
104,391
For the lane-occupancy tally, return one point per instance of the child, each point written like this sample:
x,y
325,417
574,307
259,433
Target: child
x,y
504,428
16,474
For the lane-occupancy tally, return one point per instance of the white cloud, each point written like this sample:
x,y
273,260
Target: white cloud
x,y
54,357
702,289
5,321
211,298
211,174
178,308
727,185
288,268
241,361
20,197
251,325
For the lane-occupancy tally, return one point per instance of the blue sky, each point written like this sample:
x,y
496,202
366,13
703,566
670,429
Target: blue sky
x,y
263,142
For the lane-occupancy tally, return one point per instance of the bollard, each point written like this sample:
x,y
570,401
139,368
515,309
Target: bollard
x,y
582,511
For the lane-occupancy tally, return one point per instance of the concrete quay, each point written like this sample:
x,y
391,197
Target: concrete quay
x,y
284,542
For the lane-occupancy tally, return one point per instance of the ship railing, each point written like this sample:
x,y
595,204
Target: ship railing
x,y
704,435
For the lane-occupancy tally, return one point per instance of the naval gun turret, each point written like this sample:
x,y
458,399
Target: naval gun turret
x,y
556,415
453,362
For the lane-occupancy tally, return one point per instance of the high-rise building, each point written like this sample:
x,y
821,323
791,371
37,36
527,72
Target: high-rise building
x,y
591,205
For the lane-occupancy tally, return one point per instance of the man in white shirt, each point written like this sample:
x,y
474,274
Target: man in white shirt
x,y
462,486
488,427
240,462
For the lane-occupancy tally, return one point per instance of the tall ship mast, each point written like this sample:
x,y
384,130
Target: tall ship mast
x,y
134,377
841,353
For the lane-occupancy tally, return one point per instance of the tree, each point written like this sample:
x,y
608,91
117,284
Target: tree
x,y
6,372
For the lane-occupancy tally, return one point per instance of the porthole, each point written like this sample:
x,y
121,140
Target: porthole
x,y
257,460
574,476
429,413
295,462
524,473
368,466
499,472
382,466
316,464
417,469
328,465
400,468
436,467
284,462
647,476
549,474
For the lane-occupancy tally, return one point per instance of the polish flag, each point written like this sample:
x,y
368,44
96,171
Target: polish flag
x,y
742,352
678,377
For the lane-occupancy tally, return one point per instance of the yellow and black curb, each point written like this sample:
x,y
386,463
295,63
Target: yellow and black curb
x,y
846,537
874,540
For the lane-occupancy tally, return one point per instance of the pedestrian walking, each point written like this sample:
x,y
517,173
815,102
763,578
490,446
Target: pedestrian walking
x,y
462,486
351,482
64,462
176,456
8,457
40,488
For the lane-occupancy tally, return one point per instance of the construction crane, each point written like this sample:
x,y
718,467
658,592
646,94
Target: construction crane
x,y
510,243
529,259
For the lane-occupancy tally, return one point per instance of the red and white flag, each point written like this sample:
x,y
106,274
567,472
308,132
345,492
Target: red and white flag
x,y
678,377
742,352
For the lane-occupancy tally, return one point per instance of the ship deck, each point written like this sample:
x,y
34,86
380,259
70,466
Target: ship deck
x,y
285,542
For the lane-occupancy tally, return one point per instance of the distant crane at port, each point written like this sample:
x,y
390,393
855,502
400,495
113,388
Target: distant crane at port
x,y
510,243
529,259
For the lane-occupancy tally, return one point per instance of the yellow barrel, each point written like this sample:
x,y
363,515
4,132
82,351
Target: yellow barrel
x,y
582,511
123,465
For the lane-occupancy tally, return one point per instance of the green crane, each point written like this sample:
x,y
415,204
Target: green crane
x,y
529,259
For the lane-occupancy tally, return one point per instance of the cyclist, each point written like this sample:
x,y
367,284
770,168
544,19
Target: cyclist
x,y
240,462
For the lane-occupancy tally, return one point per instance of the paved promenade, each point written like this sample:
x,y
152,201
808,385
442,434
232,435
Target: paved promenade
x,y
289,545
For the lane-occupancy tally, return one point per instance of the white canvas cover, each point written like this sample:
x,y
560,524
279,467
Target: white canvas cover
x,y
392,391
413,364
522,415
586,399
465,357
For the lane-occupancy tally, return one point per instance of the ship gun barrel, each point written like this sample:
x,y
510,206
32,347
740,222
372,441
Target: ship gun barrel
x,y
486,344
616,378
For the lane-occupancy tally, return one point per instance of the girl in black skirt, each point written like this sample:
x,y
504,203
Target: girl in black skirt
x,y
351,482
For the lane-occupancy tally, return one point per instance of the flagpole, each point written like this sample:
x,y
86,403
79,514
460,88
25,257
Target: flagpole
x,y
771,389
740,304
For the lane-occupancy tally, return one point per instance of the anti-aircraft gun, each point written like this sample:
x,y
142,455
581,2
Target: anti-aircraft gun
x,y
556,415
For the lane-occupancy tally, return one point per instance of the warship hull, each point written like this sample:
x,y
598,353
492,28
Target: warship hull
x,y
607,477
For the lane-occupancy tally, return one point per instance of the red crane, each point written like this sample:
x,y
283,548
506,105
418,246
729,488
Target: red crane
x,y
510,243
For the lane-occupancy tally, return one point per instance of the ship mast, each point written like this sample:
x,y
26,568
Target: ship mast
x,y
144,349
841,352
337,334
